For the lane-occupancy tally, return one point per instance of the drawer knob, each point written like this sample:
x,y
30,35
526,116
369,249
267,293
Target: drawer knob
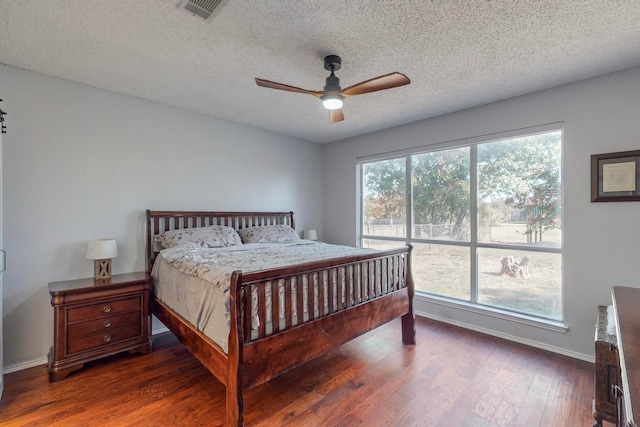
x,y
107,323
107,338
106,308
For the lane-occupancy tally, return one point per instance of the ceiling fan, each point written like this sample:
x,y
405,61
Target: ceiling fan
x,y
333,95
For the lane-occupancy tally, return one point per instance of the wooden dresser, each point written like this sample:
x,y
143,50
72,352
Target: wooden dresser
x,y
626,304
98,318
607,367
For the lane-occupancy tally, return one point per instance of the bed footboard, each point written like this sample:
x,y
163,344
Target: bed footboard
x,y
324,305
317,306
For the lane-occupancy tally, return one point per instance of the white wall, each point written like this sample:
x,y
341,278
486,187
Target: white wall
x,y
82,163
601,240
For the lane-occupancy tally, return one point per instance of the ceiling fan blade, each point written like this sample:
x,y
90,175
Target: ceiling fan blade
x,y
281,86
336,116
375,84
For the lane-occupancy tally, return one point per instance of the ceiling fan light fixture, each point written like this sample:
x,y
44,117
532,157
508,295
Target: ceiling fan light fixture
x,y
333,95
332,101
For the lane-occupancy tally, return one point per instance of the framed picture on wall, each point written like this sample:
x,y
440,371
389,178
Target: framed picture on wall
x,y
615,177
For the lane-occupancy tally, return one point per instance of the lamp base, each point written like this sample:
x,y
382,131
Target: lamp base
x,y
102,268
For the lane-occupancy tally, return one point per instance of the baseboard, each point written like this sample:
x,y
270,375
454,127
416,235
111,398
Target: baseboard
x,y
520,340
161,330
44,360
25,365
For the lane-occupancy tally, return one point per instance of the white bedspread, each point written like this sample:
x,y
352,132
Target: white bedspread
x,y
195,282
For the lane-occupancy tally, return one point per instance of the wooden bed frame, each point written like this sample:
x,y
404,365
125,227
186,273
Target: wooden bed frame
x,y
378,287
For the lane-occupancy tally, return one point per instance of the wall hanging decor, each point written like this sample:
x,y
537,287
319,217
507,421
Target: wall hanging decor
x,y
615,177
3,128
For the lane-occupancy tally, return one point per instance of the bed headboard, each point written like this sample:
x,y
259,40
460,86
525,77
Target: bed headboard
x,y
161,221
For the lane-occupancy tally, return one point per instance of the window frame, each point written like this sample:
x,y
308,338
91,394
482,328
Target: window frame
x,y
473,244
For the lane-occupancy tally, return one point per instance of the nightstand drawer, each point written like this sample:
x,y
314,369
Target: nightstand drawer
x,y
104,338
107,308
103,325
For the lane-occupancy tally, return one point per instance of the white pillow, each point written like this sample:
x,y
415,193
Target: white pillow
x,y
268,234
214,236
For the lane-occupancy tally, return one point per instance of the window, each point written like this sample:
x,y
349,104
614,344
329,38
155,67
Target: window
x,y
484,218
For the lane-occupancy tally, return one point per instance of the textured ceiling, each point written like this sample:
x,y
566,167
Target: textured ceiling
x,y
458,54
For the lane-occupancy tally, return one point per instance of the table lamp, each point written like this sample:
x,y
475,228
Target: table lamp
x,y
102,250
310,234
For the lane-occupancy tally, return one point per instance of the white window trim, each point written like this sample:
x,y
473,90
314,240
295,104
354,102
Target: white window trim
x,y
512,316
472,142
521,132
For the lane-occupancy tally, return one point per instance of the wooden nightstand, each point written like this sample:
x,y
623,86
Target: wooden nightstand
x,y
97,318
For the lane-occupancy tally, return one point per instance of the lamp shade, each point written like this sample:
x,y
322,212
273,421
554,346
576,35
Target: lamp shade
x,y
102,249
310,234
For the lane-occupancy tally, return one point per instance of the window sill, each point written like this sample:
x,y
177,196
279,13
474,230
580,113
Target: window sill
x,y
523,319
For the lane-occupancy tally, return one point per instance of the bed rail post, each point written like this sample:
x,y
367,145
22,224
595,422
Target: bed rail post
x,y
408,320
235,402
148,243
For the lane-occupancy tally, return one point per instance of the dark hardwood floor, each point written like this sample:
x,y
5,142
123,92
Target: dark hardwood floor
x,y
452,377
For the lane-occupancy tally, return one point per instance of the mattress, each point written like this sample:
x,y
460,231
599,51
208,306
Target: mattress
x,y
195,282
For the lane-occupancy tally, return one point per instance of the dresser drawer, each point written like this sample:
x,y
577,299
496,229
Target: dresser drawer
x,y
104,338
103,325
107,308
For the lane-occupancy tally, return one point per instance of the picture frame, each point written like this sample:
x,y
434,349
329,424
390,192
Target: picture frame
x,y
615,177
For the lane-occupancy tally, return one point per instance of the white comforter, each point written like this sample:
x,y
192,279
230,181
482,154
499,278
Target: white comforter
x,y
195,282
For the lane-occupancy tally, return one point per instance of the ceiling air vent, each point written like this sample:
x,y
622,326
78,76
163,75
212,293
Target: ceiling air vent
x,y
200,8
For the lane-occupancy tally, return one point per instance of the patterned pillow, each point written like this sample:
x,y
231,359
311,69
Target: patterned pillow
x,y
214,236
268,234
